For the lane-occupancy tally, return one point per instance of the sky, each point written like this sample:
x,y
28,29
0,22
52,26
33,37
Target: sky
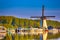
x,y
27,8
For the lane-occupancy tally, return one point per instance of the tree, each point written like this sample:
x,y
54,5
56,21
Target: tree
x,y
13,22
3,21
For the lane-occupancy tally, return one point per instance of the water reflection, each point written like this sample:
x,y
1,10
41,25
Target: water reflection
x,y
54,39
44,35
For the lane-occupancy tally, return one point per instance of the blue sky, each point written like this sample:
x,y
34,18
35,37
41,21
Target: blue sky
x,y
27,8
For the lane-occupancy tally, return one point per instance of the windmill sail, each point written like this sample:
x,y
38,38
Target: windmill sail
x,y
43,18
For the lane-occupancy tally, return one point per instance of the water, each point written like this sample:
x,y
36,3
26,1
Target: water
x,y
55,39
54,35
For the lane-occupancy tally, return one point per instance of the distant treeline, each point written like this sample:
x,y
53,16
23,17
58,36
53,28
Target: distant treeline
x,y
13,22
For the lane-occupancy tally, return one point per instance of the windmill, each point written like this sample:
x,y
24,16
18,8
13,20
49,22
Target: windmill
x,y
43,18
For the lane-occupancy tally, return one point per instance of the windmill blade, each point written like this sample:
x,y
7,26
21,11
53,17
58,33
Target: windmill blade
x,y
35,17
42,10
49,16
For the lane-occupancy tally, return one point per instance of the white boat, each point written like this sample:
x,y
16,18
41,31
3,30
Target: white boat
x,y
2,32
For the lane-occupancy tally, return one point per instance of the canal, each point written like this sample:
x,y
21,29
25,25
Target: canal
x,y
42,36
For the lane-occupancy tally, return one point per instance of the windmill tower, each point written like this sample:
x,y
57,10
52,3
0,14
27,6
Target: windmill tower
x,y
43,18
